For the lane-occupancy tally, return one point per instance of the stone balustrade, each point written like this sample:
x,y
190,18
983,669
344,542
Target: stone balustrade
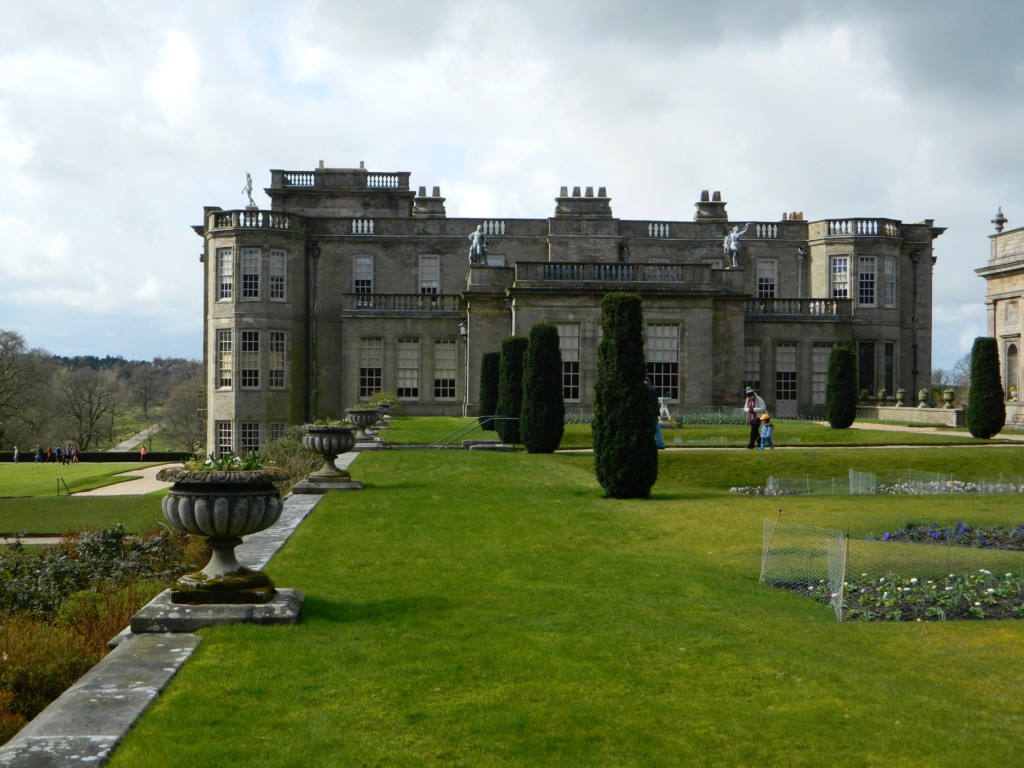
x,y
863,228
563,273
251,218
799,308
362,226
401,302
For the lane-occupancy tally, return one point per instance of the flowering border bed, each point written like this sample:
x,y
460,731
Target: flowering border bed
x,y
960,535
979,595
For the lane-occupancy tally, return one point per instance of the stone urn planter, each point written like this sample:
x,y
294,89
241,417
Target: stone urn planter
x,y
948,395
364,418
900,395
223,506
328,440
922,397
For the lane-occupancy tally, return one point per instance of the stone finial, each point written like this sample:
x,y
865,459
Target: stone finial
x,y
1000,220
705,196
602,192
590,192
437,192
575,191
563,192
423,191
716,196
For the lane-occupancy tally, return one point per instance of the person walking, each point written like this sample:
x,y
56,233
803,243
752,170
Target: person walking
x,y
766,433
753,407
652,394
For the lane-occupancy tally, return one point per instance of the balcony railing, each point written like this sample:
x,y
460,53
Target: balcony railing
x,y
250,218
863,228
563,273
803,309
400,302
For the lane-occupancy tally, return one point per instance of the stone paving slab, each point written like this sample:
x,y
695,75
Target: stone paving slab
x,y
161,615
83,726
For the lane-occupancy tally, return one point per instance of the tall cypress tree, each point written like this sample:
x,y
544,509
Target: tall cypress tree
x,y
625,454
986,407
510,388
841,387
490,364
542,419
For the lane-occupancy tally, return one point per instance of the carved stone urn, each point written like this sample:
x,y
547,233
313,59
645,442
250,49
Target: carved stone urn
x,y
948,396
223,506
364,418
328,440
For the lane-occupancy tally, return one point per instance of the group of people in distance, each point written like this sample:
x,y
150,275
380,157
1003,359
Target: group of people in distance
x,y
62,454
754,408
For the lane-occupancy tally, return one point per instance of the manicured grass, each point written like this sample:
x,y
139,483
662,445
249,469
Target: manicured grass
x,y
30,479
54,516
494,609
426,430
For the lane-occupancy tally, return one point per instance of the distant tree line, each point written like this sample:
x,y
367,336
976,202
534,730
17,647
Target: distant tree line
x,y
51,400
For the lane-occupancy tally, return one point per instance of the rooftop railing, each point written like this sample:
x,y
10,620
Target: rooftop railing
x,y
563,273
863,228
251,218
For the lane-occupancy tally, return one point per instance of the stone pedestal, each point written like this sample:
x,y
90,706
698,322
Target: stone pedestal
x,y
161,615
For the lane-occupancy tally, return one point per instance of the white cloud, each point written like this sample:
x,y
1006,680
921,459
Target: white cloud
x,y
116,129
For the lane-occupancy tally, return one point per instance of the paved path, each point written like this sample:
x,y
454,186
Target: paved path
x,y
134,441
144,481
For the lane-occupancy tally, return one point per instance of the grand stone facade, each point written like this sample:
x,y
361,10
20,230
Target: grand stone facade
x,y
1004,302
352,283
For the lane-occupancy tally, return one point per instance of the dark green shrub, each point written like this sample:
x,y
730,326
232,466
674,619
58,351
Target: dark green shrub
x,y
510,388
841,387
542,417
986,408
490,373
625,454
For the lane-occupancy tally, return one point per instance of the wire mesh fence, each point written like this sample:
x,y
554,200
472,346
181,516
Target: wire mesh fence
x,y
827,566
804,559
910,482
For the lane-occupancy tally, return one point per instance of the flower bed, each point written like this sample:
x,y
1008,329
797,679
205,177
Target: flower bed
x,y
980,595
960,535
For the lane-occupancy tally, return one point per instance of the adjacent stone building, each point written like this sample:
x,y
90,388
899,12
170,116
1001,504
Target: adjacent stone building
x,y
1004,300
353,283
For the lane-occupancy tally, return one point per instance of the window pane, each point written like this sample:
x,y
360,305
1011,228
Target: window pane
x,y
250,359
276,360
569,345
250,273
662,347
278,275
408,368
445,368
840,277
225,278
866,281
371,364
225,358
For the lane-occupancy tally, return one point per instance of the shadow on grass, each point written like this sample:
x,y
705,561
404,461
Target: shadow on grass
x,y
340,611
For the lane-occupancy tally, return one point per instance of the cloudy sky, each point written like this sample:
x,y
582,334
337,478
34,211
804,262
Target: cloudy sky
x,y
119,121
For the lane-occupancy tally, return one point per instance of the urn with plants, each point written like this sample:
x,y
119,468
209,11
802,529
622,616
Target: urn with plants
x,y
223,498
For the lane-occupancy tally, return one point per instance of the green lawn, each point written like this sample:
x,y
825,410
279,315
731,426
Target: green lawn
x,y
29,500
426,430
482,609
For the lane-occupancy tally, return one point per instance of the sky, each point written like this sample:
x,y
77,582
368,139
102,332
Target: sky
x,y
119,121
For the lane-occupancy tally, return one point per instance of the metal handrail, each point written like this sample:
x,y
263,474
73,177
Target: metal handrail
x,y
60,482
464,430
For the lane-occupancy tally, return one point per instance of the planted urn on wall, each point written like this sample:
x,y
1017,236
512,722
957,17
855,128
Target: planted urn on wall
x,y
364,418
223,501
329,439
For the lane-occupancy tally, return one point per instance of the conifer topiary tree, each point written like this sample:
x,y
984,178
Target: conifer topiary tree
x,y
986,408
625,454
510,388
841,387
489,374
542,418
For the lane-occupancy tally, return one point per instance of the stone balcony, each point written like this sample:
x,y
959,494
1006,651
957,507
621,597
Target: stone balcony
x,y
399,304
590,275
802,310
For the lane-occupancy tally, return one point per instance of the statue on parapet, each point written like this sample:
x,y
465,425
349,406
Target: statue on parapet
x,y
248,191
478,246
731,244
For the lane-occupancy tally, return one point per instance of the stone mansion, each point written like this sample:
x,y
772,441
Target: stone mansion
x,y
352,283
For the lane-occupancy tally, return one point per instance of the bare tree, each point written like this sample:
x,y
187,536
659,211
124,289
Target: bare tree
x,y
183,424
87,399
15,378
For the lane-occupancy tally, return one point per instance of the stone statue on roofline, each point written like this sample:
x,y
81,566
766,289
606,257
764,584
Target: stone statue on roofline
x,y
478,246
731,244
247,189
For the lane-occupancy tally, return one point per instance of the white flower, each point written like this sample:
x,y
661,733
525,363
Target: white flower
x,y
977,603
913,580
982,570
990,591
